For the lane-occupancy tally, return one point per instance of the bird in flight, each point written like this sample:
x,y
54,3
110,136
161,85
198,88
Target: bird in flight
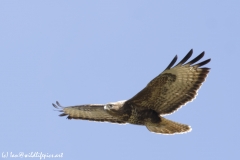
x,y
166,93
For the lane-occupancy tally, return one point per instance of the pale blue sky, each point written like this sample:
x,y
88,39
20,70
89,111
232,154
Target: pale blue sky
x,y
80,52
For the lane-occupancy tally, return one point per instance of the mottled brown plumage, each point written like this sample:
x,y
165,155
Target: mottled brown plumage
x,y
166,93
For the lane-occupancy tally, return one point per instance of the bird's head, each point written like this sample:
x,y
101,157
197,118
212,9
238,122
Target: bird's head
x,y
114,106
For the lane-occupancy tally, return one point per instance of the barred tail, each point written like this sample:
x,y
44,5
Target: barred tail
x,y
169,127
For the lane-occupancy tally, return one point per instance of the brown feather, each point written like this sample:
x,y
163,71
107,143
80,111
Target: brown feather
x,y
91,112
172,88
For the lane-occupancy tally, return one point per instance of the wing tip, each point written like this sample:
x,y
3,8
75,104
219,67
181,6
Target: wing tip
x,y
172,62
60,108
63,114
188,55
57,105
203,63
54,105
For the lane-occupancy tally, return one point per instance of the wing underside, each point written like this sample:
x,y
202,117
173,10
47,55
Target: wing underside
x,y
91,112
174,87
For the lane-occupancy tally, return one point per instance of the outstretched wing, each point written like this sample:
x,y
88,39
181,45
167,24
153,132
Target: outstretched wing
x,y
174,87
92,112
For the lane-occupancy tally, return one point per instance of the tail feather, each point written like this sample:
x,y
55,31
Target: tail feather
x,y
169,127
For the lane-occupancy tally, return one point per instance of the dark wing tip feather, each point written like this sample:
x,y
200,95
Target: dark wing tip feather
x,y
63,114
196,59
203,63
59,104
205,70
55,106
69,117
172,63
189,54
59,107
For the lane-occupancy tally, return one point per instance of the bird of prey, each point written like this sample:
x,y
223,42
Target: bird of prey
x,y
166,93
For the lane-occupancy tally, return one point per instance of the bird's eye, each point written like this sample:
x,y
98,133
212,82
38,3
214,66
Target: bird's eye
x,y
110,105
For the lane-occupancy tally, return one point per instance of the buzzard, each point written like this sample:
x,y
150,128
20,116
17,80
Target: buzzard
x,y
166,93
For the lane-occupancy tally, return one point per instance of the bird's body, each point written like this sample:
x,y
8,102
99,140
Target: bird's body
x,y
166,93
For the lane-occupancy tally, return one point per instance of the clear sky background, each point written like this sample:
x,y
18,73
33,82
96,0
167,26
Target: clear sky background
x,y
80,52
